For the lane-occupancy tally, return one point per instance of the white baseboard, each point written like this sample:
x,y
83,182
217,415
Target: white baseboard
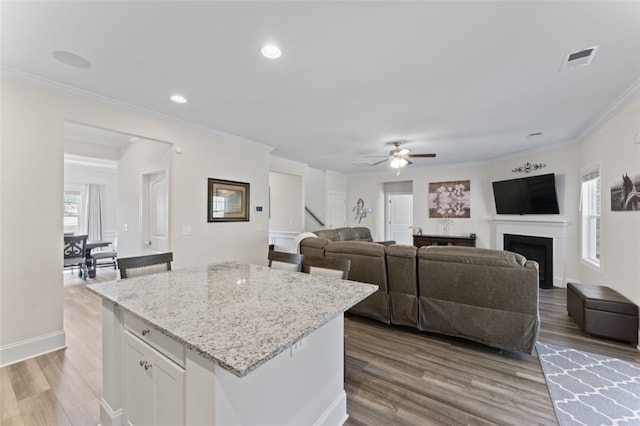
x,y
336,413
30,348
108,416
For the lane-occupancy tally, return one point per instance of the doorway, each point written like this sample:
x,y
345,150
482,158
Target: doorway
x,y
336,210
155,211
133,172
400,218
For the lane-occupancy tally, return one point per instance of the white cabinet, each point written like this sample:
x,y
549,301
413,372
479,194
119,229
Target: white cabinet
x,y
154,385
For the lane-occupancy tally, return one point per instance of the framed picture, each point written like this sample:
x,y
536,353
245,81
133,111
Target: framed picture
x,y
227,201
450,199
625,194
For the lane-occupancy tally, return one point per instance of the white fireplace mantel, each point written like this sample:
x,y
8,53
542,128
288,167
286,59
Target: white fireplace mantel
x,y
555,229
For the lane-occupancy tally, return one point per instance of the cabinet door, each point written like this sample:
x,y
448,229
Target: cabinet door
x,y
169,392
154,389
138,382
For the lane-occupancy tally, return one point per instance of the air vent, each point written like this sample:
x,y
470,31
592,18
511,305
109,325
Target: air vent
x,y
579,58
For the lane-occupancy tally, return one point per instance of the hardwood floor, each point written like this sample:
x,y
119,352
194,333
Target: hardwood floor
x,y
394,376
62,387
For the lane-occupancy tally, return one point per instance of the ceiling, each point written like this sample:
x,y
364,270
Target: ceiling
x,y
466,80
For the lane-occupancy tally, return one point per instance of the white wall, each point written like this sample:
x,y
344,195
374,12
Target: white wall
x,y
134,159
31,184
286,202
614,147
315,189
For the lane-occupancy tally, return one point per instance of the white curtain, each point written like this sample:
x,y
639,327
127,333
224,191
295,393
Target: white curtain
x,y
94,212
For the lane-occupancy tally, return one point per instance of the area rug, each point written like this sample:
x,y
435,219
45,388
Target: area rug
x,y
589,389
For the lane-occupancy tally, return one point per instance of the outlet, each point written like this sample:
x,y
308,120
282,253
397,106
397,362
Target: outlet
x,y
126,227
259,227
186,230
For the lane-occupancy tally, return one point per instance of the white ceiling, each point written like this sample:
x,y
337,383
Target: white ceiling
x,y
467,80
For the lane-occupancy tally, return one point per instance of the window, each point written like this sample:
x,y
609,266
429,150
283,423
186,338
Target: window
x,y
591,223
73,211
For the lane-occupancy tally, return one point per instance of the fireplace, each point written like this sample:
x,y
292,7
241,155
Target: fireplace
x,y
554,229
539,249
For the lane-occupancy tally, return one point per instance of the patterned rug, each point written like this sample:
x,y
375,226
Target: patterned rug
x,y
589,389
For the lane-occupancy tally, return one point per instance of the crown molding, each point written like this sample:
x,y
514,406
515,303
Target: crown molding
x,y
35,81
618,104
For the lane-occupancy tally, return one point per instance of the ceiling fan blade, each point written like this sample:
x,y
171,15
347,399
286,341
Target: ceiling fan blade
x,y
422,155
380,162
408,162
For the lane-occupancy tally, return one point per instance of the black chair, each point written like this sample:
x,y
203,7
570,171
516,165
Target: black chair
x,y
327,266
288,261
137,266
74,253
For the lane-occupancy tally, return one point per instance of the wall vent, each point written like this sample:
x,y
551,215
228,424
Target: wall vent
x,y
580,58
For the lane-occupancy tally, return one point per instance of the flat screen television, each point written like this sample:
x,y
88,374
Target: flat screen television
x,y
528,195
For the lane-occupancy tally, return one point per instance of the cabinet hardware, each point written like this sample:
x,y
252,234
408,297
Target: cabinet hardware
x,y
145,332
147,365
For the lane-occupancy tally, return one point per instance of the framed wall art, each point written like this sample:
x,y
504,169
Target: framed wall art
x,y
450,199
625,195
228,201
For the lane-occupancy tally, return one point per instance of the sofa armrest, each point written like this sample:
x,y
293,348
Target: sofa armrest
x,y
313,246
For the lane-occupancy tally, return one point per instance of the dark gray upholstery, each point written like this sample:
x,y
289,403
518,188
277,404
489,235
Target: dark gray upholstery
x,y
368,265
403,285
315,246
488,296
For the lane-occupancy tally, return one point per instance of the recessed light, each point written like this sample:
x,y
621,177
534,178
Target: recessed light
x,y
271,51
179,99
71,59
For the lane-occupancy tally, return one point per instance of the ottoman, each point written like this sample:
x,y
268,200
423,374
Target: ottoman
x,y
602,311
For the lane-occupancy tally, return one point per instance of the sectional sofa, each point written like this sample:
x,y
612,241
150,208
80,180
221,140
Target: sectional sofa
x,y
488,296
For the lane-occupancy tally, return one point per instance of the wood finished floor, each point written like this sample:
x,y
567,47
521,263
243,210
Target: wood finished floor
x,y
393,376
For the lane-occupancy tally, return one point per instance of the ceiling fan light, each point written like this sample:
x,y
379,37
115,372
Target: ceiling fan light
x,y
403,151
397,163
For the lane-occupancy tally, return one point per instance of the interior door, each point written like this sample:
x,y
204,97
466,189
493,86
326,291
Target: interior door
x,y
156,212
400,218
337,211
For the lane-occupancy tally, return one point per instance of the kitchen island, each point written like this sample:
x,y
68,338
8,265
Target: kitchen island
x,y
225,344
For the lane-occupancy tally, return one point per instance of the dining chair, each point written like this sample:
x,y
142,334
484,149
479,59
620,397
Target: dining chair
x,y
97,257
74,253
283,260
137,266
327,266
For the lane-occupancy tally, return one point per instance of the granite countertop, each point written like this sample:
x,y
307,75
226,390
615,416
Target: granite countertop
x,y
237,315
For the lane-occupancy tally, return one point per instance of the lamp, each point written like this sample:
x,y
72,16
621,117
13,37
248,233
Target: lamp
x,y
397,163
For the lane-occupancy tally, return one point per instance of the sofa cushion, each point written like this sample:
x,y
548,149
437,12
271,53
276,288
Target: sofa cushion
x,y
488,296
472,255
346,234
362,248
403,284
368,265
362,233
329,234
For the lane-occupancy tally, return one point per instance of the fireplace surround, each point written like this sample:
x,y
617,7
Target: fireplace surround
x,y
554,229
539,249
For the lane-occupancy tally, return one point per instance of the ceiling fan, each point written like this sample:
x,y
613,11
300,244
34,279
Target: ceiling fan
x,y
399,157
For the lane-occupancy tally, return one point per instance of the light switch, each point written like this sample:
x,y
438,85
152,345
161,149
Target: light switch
x,y
126,227
186,230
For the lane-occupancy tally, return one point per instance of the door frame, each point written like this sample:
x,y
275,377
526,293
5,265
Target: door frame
x,y
143,210
387,212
